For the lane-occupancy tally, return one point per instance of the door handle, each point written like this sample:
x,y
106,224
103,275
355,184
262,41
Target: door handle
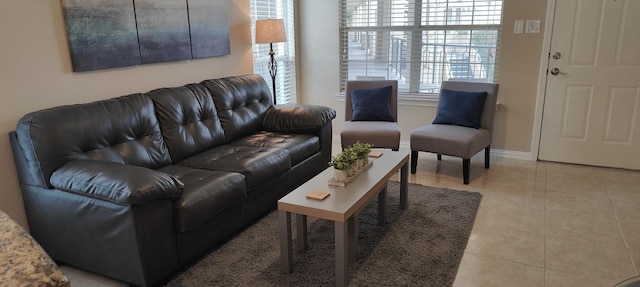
x,y
556,71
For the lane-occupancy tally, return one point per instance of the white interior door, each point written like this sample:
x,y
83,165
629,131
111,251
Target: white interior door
x,y
592,102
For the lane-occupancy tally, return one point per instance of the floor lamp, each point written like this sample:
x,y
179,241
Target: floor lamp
x,y
271,31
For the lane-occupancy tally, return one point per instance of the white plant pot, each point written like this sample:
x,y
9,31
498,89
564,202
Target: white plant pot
x,y
340,175
354,168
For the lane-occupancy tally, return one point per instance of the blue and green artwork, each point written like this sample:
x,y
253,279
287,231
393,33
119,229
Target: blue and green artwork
x,y
101,34
115,33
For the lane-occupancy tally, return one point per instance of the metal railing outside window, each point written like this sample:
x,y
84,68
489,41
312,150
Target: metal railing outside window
x,y
420,43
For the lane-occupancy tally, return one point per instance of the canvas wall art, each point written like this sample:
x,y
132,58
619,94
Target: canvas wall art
x,y
102,34
209,28
163,30
115,33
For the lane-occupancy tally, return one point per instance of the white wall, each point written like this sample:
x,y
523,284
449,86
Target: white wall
x,y
35,73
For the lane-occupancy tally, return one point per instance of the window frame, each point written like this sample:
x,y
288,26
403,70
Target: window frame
x,y
413,95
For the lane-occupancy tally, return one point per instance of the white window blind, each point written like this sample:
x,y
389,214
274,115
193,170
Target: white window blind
x,y
284,52
420,43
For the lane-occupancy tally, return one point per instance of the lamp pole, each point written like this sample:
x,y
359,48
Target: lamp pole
x,y
273,69
271,31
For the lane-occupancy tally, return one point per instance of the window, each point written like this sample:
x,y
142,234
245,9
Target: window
x,y
284,52
420,43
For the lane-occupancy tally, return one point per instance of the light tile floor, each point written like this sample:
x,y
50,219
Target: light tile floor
x,y
544,223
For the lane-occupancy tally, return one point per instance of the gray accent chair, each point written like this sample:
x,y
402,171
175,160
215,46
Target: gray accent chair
x,y
458,141
378,133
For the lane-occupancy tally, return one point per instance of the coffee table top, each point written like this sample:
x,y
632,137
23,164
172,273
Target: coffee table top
x,y
343,202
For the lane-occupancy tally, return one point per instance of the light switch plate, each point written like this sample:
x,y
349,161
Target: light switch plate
x,y
532,26
518,26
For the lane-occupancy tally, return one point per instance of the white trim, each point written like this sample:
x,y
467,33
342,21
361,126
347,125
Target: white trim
x,y
542,80
508,154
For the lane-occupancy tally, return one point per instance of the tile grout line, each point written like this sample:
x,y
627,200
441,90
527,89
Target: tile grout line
x,y
618,224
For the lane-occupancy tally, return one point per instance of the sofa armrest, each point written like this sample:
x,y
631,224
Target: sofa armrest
x,y
119,183
297,118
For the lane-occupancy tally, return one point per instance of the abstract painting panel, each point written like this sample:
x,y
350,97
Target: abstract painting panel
x,y
209,28
163,30
101,33
115,33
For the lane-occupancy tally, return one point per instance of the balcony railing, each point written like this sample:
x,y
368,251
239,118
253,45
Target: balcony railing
x,y
438,62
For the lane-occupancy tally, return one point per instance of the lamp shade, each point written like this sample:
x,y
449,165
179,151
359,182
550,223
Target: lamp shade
x,y
270,31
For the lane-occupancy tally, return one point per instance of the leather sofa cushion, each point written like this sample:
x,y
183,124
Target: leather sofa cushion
x,y
258,164
206,193
188,120
300,146
123,129
118,183
241,102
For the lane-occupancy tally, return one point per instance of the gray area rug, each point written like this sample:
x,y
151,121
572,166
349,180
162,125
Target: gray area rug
x,y
419,246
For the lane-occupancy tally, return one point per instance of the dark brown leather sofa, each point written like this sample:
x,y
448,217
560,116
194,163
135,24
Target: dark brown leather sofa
x,y
139,186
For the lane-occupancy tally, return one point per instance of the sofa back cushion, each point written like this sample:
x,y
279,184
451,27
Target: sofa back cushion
x,y
242,102
188,120
123,130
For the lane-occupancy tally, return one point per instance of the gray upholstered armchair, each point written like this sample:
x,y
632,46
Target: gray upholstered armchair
x,y
379,128
463,126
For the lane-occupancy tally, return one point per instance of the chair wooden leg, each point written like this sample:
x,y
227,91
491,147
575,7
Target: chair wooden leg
x,y
439,157
465,170
487,152
414,161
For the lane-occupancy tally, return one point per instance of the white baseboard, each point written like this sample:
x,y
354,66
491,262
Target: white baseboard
x,y
518,155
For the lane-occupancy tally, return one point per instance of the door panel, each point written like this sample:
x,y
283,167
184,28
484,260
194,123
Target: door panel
x,y
621,115
592,100
576,113
628,46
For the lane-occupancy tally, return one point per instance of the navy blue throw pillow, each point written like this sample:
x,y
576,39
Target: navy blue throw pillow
x,y
460,108
371,104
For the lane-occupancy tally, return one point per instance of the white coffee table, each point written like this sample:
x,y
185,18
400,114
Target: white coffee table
x,y
342,207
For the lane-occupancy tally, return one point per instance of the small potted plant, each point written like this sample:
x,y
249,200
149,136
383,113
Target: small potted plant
x,y
351,156
362,151
341,164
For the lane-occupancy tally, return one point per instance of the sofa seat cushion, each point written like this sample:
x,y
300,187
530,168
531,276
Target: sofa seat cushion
x,y
206,193
258,164
300,146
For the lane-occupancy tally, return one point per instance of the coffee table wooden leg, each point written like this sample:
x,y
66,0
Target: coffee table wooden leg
x,y
342,253
301,232
352,229
382,207
286,254
404,179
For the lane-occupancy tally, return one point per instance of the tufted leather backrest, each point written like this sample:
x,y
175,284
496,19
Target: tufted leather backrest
x,y
242,102
188,119
123,130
